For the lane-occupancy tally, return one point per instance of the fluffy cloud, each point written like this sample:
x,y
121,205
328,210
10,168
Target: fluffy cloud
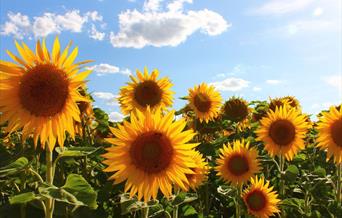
x,y
280,7
95,34
116,116
108,97
20,25
103,69
273,81
334,81
164,28
231,84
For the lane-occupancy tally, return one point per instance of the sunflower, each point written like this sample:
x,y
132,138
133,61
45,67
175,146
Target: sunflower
x,y
330,133
200,171
283,131
40,91
235,110
151,152
205,101
260,200
145,90
237,162
278,102
292,101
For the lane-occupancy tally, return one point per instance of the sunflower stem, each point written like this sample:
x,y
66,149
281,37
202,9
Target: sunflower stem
x,y
237,204
339,185
144,213
282,181
49,180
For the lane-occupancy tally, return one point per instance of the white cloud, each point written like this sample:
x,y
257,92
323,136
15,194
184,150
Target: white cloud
x,y
116,116
256,89
231,84
103,69
177,5
273,81
18,25
280,7
153,27
108,97
317,12
334,81
95,34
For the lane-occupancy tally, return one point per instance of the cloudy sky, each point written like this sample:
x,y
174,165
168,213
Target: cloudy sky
x,y
254,49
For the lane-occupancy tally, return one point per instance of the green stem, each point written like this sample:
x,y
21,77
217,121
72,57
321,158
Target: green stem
x,y
175,212
206,206
339,185
237,204
49,180
282,181
144,213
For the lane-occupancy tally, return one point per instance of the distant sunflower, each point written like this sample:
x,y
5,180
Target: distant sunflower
x,y
200,171
235,110
283,131
39,93
145,90
260,200
330,133
151,152
278,102
205,101
237,162
292,101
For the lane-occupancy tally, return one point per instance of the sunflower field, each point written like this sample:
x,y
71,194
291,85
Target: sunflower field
x,y
215,157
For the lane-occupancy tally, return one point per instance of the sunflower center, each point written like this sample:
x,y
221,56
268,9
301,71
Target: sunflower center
x,y
256,200
151,152
336,132
148,93
236,111
44,90
202,103
238,165
282,132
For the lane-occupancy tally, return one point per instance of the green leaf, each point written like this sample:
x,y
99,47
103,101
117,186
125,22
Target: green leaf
x,y
182,198
319,171
75,151
80,188
23,198
188,210
129,205
14,167
291,172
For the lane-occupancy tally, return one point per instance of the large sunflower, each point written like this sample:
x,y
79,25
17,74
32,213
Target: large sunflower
x,y
283,131
235,110
151,152
39,92
260,200
145,90
200,171
237,162
205,101
330,133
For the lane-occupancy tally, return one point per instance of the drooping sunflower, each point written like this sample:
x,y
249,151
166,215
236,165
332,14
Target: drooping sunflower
x,y
200,171
278,102
330,133
238,162
205,101
151,152
146,90
283,131
292,101
260,200
39,92
235,110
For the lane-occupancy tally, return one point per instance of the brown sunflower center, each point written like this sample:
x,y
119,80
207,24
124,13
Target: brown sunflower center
x,y
238,165
336,132
236,111
202,102
256,200
44,90
148,93
282,132
151,152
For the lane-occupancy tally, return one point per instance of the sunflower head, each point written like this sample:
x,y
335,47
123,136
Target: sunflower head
x,y
330,133
151,152
146,90
260,200
205,101
238,162
292,101
200,171
283,131
39,92
235,109
277,102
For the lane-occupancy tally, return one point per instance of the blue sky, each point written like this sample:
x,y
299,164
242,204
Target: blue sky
x,y
254,49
